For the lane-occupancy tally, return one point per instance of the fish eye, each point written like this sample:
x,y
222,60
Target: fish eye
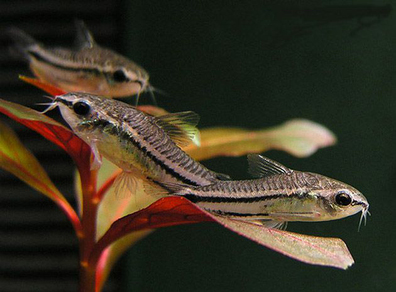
x,y
81,108
343,199
119,76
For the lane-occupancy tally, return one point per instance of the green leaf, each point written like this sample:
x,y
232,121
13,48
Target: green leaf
x,y
19,161
297,137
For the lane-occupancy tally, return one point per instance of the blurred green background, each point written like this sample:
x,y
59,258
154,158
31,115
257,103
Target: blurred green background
x,y
256,64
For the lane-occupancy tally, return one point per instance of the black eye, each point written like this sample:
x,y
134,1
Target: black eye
x,y
81,108
119,76
343,199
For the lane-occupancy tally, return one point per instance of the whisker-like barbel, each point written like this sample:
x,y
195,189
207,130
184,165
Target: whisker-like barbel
x,y
279,195
363,216
135,141
145,145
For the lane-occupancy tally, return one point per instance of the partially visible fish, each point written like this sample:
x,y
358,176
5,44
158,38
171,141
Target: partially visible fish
x,y
88,68
278,196
134,141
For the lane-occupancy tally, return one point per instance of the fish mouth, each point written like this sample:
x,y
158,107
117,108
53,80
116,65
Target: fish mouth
x,y
141,83
55,103
66,102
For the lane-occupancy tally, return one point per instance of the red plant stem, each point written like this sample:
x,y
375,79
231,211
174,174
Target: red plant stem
x,y
87,242
106,186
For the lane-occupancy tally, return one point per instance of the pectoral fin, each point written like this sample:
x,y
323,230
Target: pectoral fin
x,y
272,224
97,158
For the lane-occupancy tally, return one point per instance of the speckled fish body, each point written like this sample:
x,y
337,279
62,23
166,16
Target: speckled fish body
x,y
280,195
89,67
135,141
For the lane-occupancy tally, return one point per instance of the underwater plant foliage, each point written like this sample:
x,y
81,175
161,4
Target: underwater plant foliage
x,y
106,225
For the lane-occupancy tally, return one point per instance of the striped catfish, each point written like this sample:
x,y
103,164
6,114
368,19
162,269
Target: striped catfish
x,y
134,141
88,67
279,195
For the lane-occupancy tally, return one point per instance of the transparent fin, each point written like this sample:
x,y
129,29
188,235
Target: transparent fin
x,y
222,176
180,127
272,224
140,191
22,42
124,185
84,38
260,166
170,188
158,190
97,158
197,139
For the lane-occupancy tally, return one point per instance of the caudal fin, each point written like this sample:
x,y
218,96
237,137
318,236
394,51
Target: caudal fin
x,y
22,42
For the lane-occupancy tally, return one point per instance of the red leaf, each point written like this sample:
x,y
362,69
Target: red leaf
x,y
165,212
173,210
51,130
43,85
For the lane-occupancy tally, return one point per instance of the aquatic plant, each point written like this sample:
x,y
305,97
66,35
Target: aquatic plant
x,y
106,226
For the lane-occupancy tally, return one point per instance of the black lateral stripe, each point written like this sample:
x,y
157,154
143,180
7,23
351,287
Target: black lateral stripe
x,y
157,161
94,71
238,214
45,60
197,199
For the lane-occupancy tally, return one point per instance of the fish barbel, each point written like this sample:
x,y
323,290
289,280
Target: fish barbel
x,y
135,141
88,68
278,196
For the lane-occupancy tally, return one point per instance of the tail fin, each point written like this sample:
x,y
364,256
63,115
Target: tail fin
x,y
23,42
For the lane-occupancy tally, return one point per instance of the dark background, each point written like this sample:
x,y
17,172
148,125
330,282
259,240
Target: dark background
x,y
256,64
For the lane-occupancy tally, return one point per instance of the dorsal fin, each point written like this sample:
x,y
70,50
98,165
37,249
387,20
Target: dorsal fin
x,y
260,166
84,38
180,127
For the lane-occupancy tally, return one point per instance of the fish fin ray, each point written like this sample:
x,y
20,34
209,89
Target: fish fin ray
x,y
124,184
22,42
222,176
172,188
97,157
84,38
181,127
260,166
136,190
156,189
272,224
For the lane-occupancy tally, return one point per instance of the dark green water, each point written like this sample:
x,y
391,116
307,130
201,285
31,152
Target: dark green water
x,y
257,65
